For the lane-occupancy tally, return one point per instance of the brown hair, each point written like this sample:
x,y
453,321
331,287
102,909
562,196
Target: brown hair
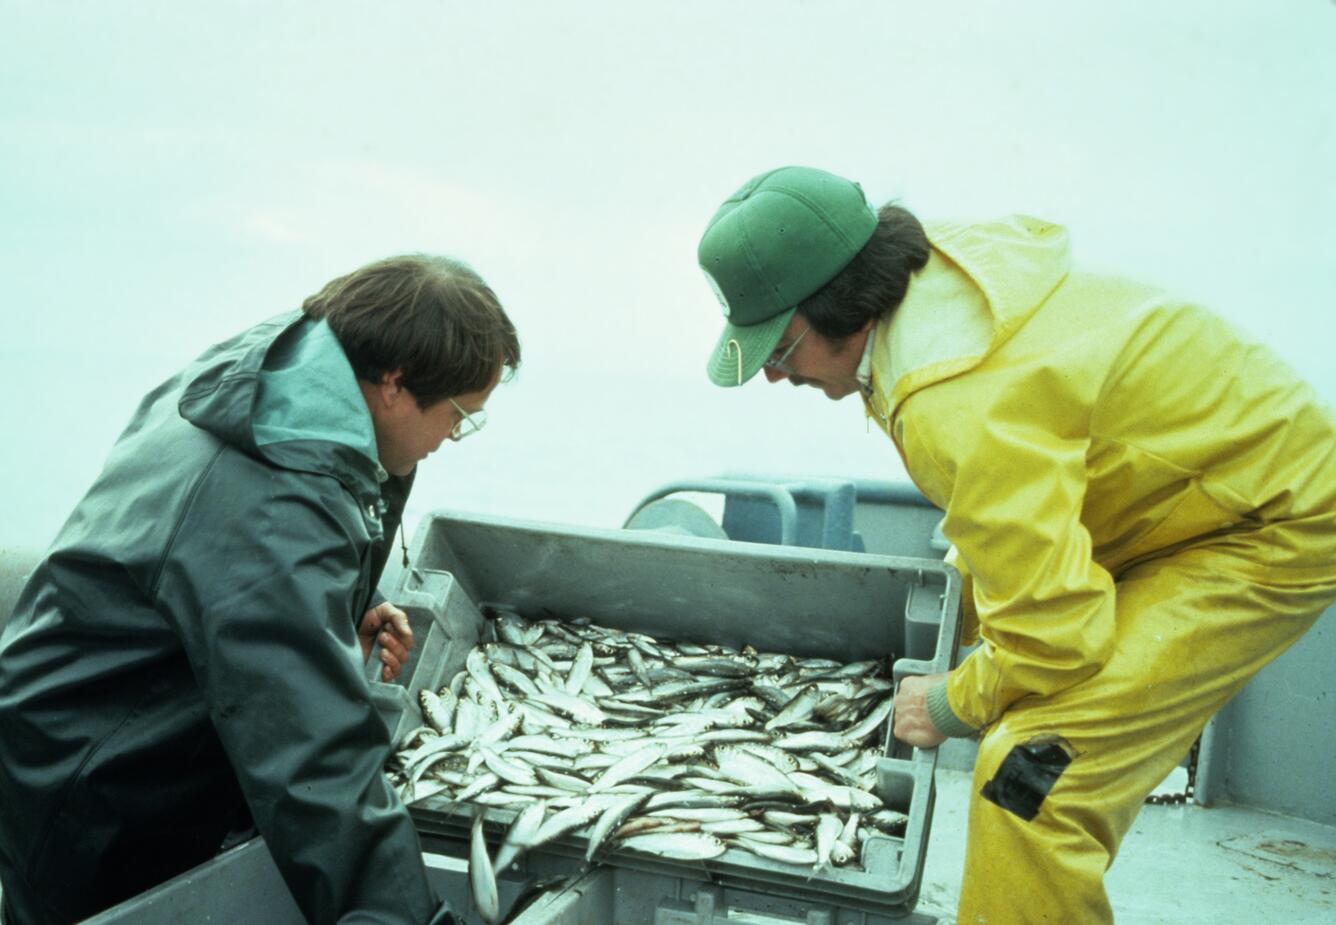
x,y
434,318
874,283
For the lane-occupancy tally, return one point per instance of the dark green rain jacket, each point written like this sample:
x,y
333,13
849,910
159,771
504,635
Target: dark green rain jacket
x,y
185,658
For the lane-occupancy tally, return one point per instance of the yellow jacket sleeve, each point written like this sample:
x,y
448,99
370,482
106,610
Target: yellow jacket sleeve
x,y
969,617
1012,490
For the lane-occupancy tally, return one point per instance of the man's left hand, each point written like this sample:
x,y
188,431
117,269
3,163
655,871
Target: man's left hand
x,y
395,638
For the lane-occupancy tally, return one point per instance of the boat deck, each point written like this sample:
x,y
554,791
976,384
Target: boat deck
x,y
1180,864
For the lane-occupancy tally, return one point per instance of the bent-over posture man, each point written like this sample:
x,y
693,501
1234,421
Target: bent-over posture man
x,y
189,656
1142,503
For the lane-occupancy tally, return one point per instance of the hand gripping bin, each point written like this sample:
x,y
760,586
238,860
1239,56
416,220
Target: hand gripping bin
x,y
800,601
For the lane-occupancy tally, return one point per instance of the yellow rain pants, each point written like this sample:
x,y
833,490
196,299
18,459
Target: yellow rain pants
x,y
1143,505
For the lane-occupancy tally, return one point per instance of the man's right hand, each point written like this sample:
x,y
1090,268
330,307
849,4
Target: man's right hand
x,y
395,636
913,725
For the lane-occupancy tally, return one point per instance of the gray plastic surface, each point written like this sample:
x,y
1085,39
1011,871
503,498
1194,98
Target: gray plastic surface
x,y
803,601
243,885
445,627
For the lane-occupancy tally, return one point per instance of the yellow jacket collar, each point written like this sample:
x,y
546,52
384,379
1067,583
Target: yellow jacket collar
x,y
979,286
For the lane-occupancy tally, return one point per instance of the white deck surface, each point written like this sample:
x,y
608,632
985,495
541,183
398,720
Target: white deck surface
x,y
1180,865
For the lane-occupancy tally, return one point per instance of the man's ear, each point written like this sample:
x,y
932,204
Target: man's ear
x,y
390,389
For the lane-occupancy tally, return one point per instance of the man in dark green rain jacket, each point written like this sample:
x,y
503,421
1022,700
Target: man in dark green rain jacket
x,y
188,658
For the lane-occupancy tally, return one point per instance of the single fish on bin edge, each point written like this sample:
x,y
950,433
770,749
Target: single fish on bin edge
x,y
482,878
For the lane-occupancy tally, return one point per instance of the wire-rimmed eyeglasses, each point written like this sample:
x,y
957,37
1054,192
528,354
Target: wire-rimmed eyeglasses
x,y
467,423
780,361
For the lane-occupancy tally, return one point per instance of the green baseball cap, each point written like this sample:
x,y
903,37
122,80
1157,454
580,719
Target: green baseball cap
x,y
780,238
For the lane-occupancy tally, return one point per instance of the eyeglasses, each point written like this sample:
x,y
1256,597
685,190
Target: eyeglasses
x,y
467,423
780,361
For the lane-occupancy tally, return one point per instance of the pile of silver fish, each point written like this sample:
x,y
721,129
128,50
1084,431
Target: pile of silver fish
x,y
672,749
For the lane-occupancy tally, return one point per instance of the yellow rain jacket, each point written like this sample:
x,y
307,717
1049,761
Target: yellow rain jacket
x,y
1063,423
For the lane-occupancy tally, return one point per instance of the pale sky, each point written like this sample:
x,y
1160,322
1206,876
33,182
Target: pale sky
x,y
172,172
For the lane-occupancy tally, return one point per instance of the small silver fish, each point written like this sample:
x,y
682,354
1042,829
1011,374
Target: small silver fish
x,y
539,791
611,819
783,819
476,665
436,746
570,819
514,678
752,770
828,829
702,814
781,759
772,837
688,798
646,645
785,854
889,821
846,777
564,781
799,708
469,718
482,878
480,785
525,826
537,720
637,662
627,767
721,666
510,771
677,846
501,798
872,721
548,745
503,727
844,798
578,709
732,826
438,710
580,668
812,741
512,628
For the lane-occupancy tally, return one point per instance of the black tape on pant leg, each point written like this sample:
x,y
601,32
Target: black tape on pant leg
x,y
1027,774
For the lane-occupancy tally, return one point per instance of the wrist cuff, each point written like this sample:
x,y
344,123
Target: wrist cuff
x,y
943,717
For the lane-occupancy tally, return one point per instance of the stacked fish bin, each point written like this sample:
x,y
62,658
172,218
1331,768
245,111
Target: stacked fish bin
x,y
705,721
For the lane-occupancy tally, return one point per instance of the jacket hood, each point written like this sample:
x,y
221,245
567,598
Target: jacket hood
x,y
980,285
285,392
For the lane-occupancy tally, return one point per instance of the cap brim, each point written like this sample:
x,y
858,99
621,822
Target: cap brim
x,y
743,349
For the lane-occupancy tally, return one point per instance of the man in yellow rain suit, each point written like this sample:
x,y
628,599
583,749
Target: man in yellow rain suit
x,y
1141,502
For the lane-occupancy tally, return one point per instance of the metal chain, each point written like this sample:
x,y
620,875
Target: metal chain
x,y
1166,799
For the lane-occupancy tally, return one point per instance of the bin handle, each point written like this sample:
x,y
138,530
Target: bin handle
x,y
783,499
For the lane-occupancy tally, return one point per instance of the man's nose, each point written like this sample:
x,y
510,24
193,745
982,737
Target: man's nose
x,y
773,375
